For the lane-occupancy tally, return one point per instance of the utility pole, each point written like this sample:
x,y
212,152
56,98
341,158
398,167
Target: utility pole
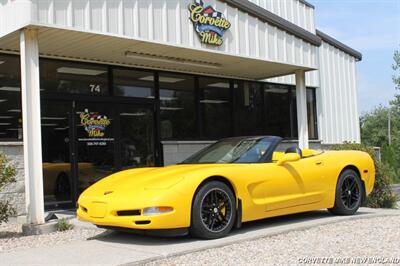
x,y
389,128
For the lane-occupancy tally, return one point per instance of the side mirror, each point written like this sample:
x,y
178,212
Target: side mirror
x,y
288,157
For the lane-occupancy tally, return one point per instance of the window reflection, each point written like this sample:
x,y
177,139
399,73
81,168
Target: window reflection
x,y
177,106
133,83
136,144
277,110
57,173
71,77
248,109
312,114
10,98
215,107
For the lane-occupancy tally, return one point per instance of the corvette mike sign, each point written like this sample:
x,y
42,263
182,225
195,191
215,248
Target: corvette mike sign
x,y
209,24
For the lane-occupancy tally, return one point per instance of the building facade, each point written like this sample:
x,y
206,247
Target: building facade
x,y
91,87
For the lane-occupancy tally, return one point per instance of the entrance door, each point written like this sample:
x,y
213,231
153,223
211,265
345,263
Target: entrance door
x,y
95,129
56,118
111,137
83,142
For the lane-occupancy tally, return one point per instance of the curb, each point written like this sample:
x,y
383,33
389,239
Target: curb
x,y
251,238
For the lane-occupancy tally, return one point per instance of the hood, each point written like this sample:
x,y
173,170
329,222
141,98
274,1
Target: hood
x,y
146,178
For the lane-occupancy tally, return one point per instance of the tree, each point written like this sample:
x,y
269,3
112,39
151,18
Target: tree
x,y
374,126
7,176
395,104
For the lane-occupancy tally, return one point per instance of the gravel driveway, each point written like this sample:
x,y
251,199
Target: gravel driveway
x,y
11,237
363,238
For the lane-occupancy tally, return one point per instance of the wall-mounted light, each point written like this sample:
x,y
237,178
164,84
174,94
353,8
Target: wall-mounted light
x,y
172,60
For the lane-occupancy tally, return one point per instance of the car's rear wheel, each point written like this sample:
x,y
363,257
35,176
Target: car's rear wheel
x,y
213,211
349,193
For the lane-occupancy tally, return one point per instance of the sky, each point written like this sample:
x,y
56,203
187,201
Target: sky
x,y
371,27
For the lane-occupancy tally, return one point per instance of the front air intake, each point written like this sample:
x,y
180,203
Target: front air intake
x,y
128,213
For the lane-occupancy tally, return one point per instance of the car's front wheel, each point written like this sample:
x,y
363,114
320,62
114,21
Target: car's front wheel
x,y
213,211
349,193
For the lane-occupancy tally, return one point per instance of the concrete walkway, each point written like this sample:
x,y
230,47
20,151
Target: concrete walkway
x,y
113,248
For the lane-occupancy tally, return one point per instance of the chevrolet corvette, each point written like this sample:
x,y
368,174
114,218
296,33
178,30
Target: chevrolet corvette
x,y
233,181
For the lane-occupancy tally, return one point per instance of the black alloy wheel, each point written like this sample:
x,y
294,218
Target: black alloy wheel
x,y
349,193
214,211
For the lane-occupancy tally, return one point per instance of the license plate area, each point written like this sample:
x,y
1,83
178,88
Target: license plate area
x,y
98,210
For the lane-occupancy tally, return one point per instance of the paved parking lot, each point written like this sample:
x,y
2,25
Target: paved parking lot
x,y
109,248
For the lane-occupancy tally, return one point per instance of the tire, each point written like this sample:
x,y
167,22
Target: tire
x,y
349,193
63,187
213,211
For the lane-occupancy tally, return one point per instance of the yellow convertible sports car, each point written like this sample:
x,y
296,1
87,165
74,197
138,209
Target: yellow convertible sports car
x,y
232,181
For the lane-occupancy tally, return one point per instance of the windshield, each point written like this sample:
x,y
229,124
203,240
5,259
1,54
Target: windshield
x,y
249,150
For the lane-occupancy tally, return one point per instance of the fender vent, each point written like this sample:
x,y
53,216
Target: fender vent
x,y
129,213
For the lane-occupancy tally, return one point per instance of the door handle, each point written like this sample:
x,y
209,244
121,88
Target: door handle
x,y
319,163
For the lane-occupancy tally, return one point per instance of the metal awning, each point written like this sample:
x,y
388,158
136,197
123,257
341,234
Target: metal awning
x,y
115,50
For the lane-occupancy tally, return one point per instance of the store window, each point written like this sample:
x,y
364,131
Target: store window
x,y
72,77
10,98
312,114
248,108
277,106
215,107
177,107
133,83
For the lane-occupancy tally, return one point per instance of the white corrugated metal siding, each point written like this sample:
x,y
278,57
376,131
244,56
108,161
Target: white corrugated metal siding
x,y
14,15
294,11
337,102
339,119
167,22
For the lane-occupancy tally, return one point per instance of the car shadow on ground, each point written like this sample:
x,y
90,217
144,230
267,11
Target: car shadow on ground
x,y
150,240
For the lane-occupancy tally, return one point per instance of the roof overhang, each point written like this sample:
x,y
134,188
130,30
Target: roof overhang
x,y
116,50
341,46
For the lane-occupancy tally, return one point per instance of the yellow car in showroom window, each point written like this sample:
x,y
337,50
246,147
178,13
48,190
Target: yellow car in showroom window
x,y
232,181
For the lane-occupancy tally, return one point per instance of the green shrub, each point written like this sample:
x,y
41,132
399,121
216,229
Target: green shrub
x,y
7,176
382,196
64,225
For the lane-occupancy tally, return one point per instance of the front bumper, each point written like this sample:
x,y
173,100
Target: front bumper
x,y
104,213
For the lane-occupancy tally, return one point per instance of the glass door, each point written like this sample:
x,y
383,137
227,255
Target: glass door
x,y
111,137
58,177
95,127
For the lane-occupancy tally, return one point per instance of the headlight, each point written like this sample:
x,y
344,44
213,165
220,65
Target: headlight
x,y
157,210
